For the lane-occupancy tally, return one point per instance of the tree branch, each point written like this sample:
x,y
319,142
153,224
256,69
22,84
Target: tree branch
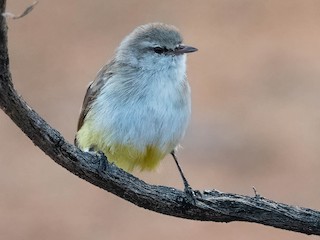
x,y
209,205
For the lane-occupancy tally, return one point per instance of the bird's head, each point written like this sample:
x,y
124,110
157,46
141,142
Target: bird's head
x,y
154,46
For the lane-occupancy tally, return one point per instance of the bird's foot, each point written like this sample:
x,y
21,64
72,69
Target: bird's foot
x,y
102,167
100,160
191,195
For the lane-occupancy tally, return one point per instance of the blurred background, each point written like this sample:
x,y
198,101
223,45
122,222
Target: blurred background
x,y
256,114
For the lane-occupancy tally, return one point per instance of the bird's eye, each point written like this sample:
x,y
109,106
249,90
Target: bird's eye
x,y
158,50
179,47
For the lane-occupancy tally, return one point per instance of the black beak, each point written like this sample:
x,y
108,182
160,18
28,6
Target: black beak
x,y
184,49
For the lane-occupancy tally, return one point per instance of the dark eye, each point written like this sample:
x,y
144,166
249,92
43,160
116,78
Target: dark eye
x,y
158,50
179,47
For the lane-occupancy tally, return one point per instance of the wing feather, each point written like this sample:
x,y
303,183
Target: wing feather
x,y
93,91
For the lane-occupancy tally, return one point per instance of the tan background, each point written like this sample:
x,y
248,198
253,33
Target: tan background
x,y
256,114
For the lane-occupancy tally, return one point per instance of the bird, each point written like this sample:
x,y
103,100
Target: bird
x,y
137,109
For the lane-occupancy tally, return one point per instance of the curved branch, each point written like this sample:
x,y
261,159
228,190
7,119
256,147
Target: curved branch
x,y
208,206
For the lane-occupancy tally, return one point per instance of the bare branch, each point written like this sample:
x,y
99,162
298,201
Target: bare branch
x,y
209,205
25,12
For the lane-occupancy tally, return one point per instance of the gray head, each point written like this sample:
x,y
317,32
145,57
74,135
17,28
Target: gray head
x,y
154,45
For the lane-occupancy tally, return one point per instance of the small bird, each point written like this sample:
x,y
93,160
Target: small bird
x,y
137,109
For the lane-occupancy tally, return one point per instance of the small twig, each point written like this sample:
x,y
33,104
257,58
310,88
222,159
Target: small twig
x,y
256,194
25,12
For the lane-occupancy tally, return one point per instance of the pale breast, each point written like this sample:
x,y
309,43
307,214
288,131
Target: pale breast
x,y
153,112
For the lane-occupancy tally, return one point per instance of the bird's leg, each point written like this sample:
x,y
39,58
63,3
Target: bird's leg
x,y
187,188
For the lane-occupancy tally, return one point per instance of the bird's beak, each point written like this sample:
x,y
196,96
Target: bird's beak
x,y
184,49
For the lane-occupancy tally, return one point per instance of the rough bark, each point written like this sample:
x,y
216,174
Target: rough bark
x,y
207,206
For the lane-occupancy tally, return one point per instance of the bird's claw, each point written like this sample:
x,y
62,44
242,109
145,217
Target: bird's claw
x,y
102,164
99,160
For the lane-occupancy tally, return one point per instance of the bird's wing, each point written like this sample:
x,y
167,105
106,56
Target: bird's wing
x,y
93,91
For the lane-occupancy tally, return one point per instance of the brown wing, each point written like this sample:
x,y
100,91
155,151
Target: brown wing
x,y
93,91
86,105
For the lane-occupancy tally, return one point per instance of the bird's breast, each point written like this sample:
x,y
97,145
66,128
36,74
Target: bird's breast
x,y
145,112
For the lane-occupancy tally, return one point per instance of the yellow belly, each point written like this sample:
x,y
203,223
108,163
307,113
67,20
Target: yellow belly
x,y
124,156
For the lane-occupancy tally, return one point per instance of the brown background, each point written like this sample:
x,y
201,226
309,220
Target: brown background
x,y
256,114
